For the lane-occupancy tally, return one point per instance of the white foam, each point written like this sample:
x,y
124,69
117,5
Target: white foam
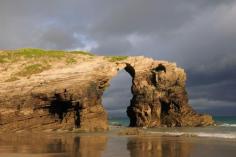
x,y
199,134
228,125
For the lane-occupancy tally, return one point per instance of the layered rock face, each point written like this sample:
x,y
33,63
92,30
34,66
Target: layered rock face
x,y
160,97
68,97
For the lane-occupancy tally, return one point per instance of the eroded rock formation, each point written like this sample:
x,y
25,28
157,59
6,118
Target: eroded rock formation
x,y
68,97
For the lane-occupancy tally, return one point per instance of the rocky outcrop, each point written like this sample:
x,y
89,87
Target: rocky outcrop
x,y
69,97
160,97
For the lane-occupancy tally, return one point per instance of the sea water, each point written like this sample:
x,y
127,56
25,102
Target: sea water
x,y
225,128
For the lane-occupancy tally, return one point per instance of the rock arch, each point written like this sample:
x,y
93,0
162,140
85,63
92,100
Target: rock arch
x,y
117,96
75,100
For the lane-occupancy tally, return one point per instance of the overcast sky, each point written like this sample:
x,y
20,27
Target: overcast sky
x,y
199,35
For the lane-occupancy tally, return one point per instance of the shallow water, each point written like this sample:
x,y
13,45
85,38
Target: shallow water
x,y
111,145
226,128
155,142
227,121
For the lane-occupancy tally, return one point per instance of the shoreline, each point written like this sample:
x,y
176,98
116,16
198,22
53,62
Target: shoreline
x,y
213,132
132,143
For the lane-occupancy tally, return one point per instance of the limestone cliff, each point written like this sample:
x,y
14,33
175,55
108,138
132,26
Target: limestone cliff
x,y
56,90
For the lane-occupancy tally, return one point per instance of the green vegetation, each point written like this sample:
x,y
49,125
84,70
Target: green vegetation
x,y
5,57
33,53
13,78
32,69
116,58
71,60
2,60
9,56
16,55
82,53
33,61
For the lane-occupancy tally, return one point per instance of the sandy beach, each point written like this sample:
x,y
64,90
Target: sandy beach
x,y
113,144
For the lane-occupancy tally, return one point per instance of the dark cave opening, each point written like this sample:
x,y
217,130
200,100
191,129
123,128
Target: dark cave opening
x,y
59,107
62,105
165,107
160,68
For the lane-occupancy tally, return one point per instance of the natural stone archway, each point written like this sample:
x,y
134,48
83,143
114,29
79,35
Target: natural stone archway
x,y
117,97
72,98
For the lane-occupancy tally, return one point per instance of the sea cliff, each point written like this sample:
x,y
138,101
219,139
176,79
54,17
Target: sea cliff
x,y
52,90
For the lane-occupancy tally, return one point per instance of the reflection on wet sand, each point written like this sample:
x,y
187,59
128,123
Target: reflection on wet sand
x,y
104,145
158,147
62,145
89,146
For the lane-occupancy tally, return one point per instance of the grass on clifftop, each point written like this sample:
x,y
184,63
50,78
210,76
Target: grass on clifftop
x,y
32,69
30,61
27,71
71,60
116,58
33,53
12,78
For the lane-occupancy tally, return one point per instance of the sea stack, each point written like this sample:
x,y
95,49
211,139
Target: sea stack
x,y
51,90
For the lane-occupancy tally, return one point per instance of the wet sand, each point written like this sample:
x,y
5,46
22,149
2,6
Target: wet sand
x,y
111,145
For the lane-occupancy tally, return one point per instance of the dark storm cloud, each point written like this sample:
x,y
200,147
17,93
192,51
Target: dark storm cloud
x,y
56,37
219,91
45,24
118,45
214,107
199,35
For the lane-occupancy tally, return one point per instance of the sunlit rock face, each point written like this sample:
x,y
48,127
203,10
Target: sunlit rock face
x,y
160,97
69,97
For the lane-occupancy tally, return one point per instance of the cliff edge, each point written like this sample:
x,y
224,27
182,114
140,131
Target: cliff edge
x,y
51,90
